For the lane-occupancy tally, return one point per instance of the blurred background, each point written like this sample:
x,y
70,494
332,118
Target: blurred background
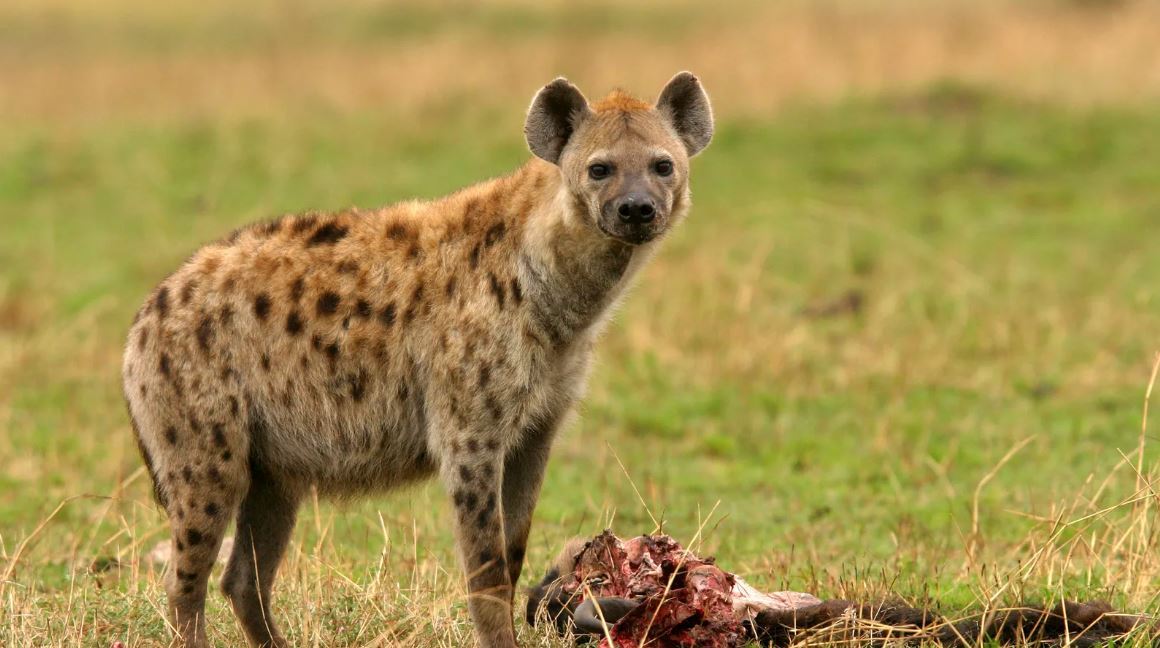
x,y
901,345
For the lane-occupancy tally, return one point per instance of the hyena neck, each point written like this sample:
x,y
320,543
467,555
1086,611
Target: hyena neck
x,y
574,274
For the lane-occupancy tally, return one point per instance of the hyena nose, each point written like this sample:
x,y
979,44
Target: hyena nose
x,y
636,209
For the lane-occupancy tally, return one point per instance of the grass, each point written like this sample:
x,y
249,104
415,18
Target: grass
x,y
902,342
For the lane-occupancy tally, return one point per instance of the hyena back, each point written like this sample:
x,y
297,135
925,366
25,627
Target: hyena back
x,y
358,351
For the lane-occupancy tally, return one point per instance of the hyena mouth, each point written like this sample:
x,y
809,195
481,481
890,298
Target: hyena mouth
x,y
631,235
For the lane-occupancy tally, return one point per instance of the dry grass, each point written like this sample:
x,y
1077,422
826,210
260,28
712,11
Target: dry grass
x,y
189,60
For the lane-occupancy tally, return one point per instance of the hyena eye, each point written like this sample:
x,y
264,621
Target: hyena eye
x,y
599,171
663,167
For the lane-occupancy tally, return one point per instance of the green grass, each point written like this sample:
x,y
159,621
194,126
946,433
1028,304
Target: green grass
x,y
1006,255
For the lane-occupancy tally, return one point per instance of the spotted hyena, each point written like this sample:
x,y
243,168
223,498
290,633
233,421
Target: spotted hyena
x,y
357,351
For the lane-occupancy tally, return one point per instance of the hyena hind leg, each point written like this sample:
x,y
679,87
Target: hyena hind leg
x,y
265,522
199,514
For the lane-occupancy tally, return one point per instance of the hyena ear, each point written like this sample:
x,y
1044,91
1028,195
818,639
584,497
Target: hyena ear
x,y
556,111
687,107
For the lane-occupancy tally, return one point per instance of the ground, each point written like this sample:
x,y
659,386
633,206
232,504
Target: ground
x,y
901,345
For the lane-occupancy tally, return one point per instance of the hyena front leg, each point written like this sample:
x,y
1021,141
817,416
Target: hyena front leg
x,y
523,473
472,472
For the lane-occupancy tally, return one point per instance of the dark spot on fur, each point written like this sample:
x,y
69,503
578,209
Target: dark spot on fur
x,y
473,259
465,473
164,365
226,314
161,302
396,232
471,209
180,546
262,306
358,386
516,554
413,253
497,290
142,338
328,234
517,292
205,333
484,375
347,266
194,537
187,588
297,288
227,455
194,424
450,290
214,475
328,303
488,472
490,574
144,390
403,392
496,411
269,228
294,323
387,315
187,474
316,342
186,576
362,308
331,351
303,223
171,435
234,406
493,235
265,361
483,519
465,500
415,305
187,290
379,350
219,435
211,509
472,445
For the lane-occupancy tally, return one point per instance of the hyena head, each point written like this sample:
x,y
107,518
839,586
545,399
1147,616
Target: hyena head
x,y
625,162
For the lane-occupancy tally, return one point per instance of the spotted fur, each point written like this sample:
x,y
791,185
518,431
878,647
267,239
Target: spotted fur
x,y
361,350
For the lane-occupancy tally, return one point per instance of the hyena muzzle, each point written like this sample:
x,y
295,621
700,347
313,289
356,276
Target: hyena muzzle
x,y
357,351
